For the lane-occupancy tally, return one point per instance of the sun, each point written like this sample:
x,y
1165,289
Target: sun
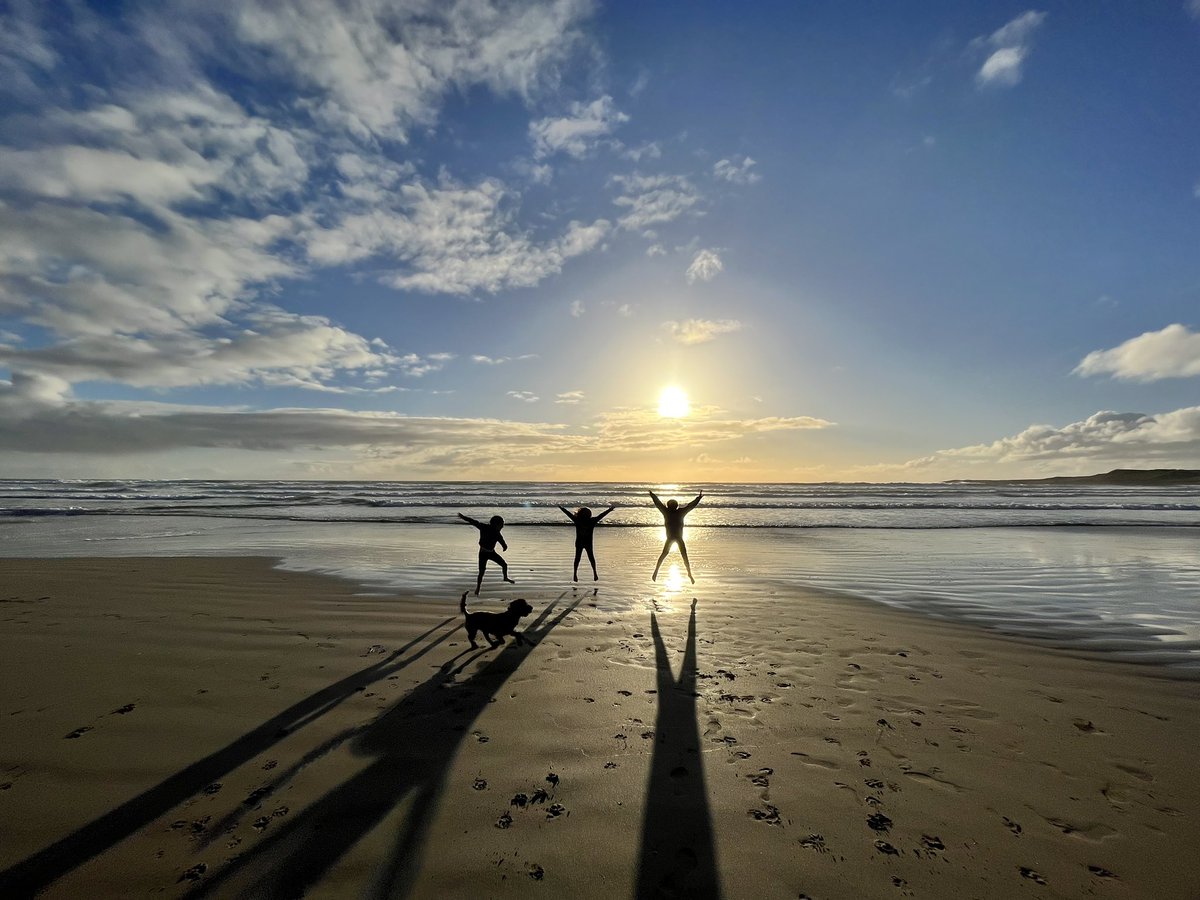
x,y
673,403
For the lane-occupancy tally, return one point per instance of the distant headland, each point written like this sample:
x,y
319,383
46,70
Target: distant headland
x,y
1148,477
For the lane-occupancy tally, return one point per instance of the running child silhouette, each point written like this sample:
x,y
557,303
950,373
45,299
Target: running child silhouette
x,y
489,536
585,528
673,515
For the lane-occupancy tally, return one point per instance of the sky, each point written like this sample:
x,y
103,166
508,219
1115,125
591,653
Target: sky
x,y
465,239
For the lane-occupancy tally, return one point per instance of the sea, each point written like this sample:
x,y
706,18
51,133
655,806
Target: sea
x,y
1110,570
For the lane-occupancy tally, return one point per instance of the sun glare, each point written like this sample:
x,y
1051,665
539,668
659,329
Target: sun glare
x,y
673,403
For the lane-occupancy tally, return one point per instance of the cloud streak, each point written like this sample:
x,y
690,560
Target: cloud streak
x,y
700,331
577,133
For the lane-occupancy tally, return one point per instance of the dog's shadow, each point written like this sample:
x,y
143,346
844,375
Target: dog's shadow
x,y
413,745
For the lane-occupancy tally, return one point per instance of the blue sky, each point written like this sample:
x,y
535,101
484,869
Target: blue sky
x,y
477,239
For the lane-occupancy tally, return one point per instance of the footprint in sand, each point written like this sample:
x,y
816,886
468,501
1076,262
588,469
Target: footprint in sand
x,y
879,822
195,873
762,777
769,814
1014,827
124,710
479,784
814,842
1029,873
77,733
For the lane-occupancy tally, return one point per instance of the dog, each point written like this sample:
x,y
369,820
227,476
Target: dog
x,y
494,626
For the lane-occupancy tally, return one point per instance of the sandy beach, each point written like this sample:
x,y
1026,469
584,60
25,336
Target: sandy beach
x,y
217,727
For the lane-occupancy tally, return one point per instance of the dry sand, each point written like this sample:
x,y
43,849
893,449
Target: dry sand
x,y
219,727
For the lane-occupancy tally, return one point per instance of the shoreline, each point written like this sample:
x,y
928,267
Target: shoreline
x,y
817,732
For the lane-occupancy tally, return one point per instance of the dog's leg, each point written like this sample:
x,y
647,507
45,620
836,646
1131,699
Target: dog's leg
x,y
517,637
471,637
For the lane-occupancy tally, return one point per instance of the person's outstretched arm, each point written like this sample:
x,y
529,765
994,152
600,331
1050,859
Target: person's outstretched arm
x,y
657,502
694,503
570,515
470,521
605,513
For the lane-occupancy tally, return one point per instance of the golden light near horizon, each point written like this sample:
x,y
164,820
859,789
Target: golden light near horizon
x,y
673,403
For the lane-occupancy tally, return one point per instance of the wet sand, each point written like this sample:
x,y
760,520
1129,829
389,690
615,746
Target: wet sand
x,y
217,727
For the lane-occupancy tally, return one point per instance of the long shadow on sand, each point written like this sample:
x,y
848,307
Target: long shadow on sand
x,y
678,854
414,744
46,866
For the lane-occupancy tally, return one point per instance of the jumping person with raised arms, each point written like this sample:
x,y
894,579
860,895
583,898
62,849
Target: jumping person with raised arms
x,y
585,529
673,515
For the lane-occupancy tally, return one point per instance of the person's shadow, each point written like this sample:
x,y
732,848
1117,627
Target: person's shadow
x,y
678,854
43,868
414,745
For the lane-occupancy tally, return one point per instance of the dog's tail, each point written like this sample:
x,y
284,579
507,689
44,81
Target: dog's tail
x,y
462,604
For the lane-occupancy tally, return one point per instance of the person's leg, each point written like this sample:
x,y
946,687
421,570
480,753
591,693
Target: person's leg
x,y
503,567
661,557
575,571
683,553
482,565
592,560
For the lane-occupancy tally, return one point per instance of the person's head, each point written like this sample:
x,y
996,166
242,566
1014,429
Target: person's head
x,y
497,522
672,504
584,512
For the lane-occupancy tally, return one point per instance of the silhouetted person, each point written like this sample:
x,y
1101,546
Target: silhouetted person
x,y
585,527
673,515
489,537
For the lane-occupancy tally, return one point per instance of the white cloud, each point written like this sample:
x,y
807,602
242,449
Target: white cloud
x,y
736,172
116,240
705,266
700,331
577,308
625,310
651,199
375,67
524,396
656,250
1008,47
451,238
577,133
1193,8
569,397
648,150
1105,439
501,360
1003,67
1173,352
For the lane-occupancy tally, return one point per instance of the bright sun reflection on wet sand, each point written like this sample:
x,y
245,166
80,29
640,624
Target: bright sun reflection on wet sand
x,y
673,583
